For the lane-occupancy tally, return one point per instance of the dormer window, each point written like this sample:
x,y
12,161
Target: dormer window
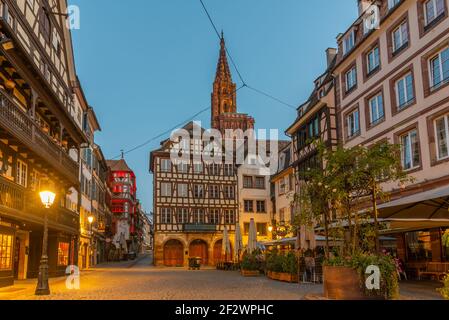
x,y
348,42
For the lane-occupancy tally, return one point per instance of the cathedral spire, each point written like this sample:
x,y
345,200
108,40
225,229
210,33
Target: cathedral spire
x,y
223,71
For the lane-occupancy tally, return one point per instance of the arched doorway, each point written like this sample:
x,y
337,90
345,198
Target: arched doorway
x,y
173,254
198,248
217,252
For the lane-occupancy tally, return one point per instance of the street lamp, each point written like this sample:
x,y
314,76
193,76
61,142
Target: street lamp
x,y
43,289
90,219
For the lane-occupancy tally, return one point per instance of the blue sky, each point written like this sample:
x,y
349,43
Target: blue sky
x,y
147,65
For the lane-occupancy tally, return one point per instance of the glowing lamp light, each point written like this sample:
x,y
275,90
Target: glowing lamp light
x,y
47,198
90,219
270,228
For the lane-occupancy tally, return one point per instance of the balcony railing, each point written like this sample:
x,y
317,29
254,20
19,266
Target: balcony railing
x,y
22,127
123,196
11,195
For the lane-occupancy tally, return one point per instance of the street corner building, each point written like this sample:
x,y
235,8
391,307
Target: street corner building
x,y
40,137
195,202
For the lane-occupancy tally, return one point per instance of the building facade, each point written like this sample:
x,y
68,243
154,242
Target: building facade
x,y
196,200
254,197
124,204
40,138
283,188
391,84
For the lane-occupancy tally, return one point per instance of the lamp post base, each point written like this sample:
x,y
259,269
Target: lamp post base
x,y
43,288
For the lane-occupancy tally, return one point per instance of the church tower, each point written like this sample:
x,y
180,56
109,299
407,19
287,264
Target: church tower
x,y
224,98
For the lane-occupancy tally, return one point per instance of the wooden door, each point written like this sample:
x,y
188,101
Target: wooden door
x,y
173,254
198,248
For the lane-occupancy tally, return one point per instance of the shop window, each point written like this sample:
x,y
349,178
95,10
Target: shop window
x,y
5,252
419,246
63,253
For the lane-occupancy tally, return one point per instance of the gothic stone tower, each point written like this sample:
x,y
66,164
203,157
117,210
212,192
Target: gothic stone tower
x,y
224,98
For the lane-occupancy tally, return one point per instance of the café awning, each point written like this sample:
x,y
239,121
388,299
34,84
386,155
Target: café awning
x,y
428,206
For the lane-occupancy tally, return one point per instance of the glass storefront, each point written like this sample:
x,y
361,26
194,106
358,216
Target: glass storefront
x,y
63,254
419,246
6,245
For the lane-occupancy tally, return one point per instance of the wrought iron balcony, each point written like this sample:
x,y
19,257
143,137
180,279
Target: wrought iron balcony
x,y
25,130
25,204
11,195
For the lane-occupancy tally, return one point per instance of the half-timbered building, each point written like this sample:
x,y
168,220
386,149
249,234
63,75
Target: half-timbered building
x,y
40,138
316,121
195,201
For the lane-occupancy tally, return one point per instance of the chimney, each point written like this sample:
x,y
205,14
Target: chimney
x,y
330,55
364,5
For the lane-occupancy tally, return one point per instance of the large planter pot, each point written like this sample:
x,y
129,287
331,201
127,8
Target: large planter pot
x,y
286,277
250,273
342,283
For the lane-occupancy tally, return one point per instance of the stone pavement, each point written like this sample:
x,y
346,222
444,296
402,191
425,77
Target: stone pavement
x,y
141,281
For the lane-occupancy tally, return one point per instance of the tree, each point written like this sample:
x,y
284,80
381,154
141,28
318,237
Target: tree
x,y
345,181
378,165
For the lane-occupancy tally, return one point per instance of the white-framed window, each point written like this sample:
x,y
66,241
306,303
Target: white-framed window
x,y
166,216
166,189
22,173
214,169
229,216
259,182
373,60
182,216
442,134
410,154
198,216
248,206
198,191
353,123
198,167
376,109
214,216
432,10
261,206
166,165
214,191
404,91
439,68
400,36
229,192
351,78
393,3
282,186
228,169
183,167
183,190
348,42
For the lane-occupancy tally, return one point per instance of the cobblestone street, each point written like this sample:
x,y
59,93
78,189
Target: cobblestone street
x,y
140,281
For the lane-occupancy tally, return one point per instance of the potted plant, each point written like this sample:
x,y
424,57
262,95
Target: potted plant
x,y
349,191
445,290
250,265
282,267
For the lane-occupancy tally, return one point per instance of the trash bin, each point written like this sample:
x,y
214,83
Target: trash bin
x,y
194,263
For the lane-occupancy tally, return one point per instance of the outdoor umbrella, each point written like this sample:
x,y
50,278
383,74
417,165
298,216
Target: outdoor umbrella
x,y
307,238
252,237
226,245
238,242
431,205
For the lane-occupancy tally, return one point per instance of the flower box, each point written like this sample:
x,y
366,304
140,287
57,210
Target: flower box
x,y
250,273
